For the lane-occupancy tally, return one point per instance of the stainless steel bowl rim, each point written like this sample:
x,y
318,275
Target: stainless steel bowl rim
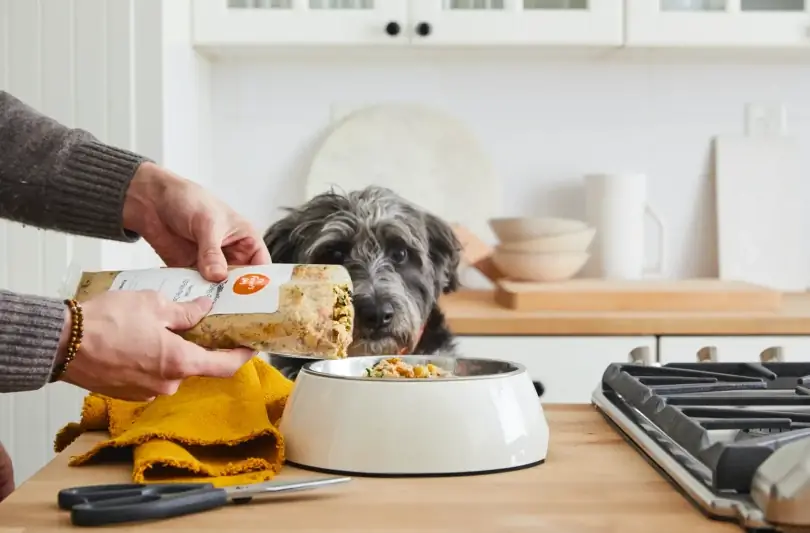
x,y
296,356
320,368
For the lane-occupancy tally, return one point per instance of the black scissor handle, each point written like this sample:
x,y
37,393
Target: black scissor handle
x,y
148,506
69,498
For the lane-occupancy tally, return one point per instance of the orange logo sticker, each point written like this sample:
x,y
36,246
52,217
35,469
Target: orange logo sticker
x,y
250,284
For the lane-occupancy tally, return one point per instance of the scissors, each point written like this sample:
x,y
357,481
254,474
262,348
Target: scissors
x,y
99,505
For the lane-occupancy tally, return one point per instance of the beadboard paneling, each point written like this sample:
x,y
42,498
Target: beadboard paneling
x,y
73,60
111,68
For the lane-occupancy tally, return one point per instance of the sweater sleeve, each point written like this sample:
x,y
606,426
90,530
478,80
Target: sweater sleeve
x,y
30,327
56,178
62,179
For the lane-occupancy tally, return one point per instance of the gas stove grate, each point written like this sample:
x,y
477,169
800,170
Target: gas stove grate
x,y
767,404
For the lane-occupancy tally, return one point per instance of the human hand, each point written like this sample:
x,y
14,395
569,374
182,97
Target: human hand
x,y
129,351
188,226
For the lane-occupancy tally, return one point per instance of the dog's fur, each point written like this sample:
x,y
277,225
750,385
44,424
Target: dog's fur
x,y
400,259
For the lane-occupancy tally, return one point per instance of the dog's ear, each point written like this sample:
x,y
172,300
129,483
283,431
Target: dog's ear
x,y
445,253
279,239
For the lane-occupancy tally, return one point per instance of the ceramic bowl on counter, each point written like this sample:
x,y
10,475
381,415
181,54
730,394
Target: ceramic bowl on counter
x,y
574,241
532,266
484,417
529,228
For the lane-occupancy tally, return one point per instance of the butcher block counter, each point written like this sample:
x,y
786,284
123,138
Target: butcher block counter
x,y
472,312
592,482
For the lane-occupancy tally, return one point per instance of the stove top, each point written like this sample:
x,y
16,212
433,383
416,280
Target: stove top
x,y
733,437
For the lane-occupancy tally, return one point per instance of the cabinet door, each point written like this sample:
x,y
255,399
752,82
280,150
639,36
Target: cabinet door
x,y
232,23
570,368
738,23
517,22
748,348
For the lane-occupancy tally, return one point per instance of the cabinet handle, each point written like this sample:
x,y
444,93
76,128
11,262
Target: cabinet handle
x,y
392,29
423,29
641,356
707,354
774,354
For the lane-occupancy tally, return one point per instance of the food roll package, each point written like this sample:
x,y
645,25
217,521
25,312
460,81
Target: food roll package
x,y
291,309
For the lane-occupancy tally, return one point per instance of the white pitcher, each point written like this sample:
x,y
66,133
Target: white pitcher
x,y
616,205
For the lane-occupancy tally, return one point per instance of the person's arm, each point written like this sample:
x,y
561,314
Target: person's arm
x,y
58,178
30,335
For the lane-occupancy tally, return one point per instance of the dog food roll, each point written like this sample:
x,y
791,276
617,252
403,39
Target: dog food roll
x,y
278,308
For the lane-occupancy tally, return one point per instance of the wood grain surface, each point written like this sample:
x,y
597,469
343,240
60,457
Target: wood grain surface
x,y
472,312
592,482
584,295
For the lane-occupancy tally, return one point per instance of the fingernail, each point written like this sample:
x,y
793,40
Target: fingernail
x,y
217,272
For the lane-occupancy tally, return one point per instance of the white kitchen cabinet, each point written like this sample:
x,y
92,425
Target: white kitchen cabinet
x,y
726,349
569,368
225,23
718,23
517,22
257,23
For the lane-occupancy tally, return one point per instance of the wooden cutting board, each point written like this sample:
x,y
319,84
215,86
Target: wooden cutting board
x,y
643,295
762,220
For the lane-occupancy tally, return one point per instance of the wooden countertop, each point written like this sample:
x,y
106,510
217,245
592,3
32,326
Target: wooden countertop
x,y
476,313
592,482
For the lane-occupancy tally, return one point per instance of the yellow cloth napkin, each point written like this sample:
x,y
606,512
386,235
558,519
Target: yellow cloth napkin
x,y
221,431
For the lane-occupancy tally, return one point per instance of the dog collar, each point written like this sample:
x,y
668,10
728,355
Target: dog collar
x,y
405,349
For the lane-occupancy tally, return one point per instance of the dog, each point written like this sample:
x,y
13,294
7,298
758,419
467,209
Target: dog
x,y
401,259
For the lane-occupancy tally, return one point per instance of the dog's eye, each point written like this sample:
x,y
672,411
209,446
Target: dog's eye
x,y
337,256
399,255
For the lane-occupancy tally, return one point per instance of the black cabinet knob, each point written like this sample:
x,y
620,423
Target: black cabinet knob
x,y
423,29
392,29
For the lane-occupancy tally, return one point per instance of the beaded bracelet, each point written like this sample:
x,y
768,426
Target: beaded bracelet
x,y
75,339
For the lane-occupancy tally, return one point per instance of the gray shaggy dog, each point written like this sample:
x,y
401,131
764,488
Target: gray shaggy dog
x,y
400,258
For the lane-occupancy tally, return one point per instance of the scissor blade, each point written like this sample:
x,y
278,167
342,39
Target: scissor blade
x,y
248,491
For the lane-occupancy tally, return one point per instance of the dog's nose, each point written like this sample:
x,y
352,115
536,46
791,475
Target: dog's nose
x,y
374,315
386,314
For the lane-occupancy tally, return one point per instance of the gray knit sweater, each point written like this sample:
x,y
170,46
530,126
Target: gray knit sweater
x,y
57,178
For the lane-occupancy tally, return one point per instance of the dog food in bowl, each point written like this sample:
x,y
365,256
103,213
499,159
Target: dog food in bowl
x,y
282,308
395,367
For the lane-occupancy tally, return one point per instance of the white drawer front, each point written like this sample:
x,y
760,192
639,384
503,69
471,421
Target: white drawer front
x,y
569,368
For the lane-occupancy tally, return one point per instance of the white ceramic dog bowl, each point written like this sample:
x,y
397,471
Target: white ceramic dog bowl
x,y
487,418
530,266
575,241
528,228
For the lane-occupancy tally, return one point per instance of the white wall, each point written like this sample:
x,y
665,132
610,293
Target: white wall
x,y
186,105
544,122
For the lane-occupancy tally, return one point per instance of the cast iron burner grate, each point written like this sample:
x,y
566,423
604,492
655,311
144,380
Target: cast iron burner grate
x,y
719,421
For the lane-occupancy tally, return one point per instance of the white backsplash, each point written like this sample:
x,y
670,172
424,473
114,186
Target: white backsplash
x,y
545,124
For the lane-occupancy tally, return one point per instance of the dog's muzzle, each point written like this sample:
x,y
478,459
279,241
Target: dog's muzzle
x,y
373,317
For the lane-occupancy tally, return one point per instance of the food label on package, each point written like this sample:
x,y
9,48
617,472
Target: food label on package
x,y
248,290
